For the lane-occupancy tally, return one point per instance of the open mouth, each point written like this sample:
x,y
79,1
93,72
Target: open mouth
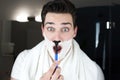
x,y
57,49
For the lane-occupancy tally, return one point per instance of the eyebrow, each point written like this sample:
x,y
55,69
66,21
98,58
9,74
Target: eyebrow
x,y
64,23
49,23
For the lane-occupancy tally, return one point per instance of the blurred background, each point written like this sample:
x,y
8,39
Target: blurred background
x,y
98,32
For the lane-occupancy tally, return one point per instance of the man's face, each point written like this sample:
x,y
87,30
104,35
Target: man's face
x,y
59,27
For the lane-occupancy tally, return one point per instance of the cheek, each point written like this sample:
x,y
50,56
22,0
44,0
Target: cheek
x,y
46,35
67,36
60,36
49,36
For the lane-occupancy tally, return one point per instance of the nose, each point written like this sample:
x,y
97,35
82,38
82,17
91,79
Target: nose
x,y
57,36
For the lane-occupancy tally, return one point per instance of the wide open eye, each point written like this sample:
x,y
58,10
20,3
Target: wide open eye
x,y
51,29
65,29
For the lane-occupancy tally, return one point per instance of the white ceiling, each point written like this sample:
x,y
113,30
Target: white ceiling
x,y
11,8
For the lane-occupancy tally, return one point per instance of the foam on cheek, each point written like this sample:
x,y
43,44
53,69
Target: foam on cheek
x,y
63,48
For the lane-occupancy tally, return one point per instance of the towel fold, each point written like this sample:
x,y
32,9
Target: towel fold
x,y
75,64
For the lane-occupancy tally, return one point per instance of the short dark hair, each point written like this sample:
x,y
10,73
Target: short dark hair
x,y
59,6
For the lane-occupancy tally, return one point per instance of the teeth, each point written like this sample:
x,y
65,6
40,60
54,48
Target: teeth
x,y
58,48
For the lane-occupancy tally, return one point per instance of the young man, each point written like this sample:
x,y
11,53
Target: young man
x,y
69,62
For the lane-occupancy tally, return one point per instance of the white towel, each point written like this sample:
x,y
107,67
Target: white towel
x,y
76,65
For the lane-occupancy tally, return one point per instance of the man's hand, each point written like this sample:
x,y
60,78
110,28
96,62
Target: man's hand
x,y
53,73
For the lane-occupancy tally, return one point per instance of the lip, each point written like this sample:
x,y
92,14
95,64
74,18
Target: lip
x,y
58,49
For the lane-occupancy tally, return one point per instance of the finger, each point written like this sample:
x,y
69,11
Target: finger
x,y
61,77
56,74
51,70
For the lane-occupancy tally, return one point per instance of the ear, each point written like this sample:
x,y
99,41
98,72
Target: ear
x,y
75,31
42,29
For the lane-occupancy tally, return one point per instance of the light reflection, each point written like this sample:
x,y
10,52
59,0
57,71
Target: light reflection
x,y
21,14
38,18
22,17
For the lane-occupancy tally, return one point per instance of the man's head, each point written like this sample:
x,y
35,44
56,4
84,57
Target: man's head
x,y
59,24
59,20
59,6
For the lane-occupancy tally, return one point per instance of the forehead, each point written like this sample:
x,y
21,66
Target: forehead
x,y
58,17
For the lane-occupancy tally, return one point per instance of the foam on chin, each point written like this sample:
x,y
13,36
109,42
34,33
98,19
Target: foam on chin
x,y
63,48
